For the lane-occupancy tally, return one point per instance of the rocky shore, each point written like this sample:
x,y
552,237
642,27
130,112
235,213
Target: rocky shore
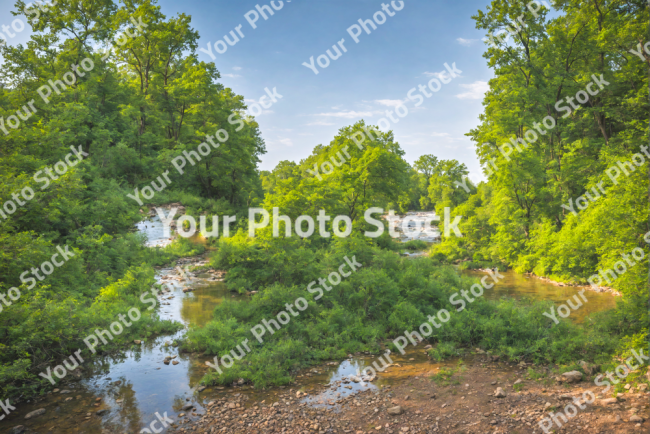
x,y
486,396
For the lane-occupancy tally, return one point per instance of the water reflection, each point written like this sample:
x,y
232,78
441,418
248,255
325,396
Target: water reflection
x,y
521,287
199,305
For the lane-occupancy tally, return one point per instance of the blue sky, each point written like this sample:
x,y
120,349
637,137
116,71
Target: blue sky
x,y
373,76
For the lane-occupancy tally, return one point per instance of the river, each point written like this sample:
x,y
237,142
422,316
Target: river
x,y
136,385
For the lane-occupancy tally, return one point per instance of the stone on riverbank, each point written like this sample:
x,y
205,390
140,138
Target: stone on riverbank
x,y
395,410
572,376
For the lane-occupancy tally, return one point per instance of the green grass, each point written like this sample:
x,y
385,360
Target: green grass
x,y
535,375
443,377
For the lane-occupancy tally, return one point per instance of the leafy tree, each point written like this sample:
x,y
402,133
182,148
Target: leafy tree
x,y
448,186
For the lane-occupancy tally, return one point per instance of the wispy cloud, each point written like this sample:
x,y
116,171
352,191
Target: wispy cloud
x,y
476,90
440,134
389,102
281,141
320,123
351,114
466,42
236,68
285,141
230,75
434,74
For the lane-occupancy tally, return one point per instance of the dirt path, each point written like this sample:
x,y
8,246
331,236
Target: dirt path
x,y
459,400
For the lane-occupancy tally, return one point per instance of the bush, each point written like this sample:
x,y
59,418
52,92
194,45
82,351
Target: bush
x,y
381,300
415,245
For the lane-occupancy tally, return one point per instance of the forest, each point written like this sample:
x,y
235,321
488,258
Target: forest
x,y
148,99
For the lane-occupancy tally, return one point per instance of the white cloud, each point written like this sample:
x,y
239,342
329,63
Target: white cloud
x,y
390,102
280,141
466,42
230,75
440,134
348,115
236,68
476,90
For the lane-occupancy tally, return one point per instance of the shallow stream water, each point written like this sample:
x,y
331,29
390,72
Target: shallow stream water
x,y
137,385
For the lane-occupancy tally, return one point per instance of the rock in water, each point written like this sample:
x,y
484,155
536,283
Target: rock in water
x,y
35,413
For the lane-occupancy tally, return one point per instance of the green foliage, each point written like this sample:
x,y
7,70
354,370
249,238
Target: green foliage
x,y
385,297
445,185
373,174
136,110
151,100
414,245
521,217
443,351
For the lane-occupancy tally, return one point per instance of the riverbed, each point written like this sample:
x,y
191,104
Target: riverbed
x,y
123,394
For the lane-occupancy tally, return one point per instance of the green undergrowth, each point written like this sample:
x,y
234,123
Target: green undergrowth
x,y
385,297
414,245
